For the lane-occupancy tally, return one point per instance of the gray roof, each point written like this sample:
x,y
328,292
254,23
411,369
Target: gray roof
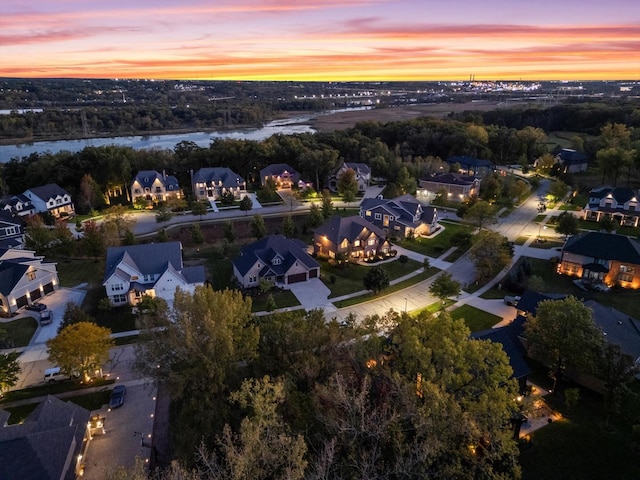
x,y
267,248
49,191
337,228
618,327
148,259
465,161
278,169
228,177
620,194
451,179
571,157
11,272
38,448
508,337
360,168
403,208
607,246
147,177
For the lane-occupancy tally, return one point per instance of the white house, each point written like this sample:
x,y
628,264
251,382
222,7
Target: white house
x,y
154,269
154,186
11,230
24,278
50,198
212,183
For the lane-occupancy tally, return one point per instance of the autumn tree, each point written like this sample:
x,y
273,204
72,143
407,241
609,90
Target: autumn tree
x,y
81,347
563,334
9,370
376,279
327,203
63,238
119,216
490,253
37,236
92,241
444,286
258,227
347,185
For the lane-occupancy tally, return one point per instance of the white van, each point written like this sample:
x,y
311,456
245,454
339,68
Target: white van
x,y
53,375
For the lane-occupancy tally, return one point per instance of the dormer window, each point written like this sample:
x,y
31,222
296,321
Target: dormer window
x,y
276,261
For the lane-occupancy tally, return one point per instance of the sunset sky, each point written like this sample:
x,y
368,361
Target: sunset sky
x,y
321,39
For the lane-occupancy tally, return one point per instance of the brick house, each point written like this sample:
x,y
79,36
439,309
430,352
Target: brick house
x,y
350,237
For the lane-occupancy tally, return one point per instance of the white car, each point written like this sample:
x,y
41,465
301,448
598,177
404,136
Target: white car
x,y
511,301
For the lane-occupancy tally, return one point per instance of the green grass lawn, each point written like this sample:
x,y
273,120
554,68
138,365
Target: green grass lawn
x,y
436,246
17,333
494,293
548,243
348,278
392,289
51,389
283,299
117,319
433,308
79,270
475,318
90,401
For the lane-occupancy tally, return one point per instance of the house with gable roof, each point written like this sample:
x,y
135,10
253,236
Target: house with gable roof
x,y
154,186
11,230
459,187
400,217
283,175
602,258
212,183
471,166
154,269
17,205
48,445
51,198
571,161
24,278
623,204
350,237
362,175
276,259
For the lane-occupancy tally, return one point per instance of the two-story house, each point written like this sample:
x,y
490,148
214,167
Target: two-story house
x,y
362,175
17,205
212,183
400,217
603,258
51,198
154,186
277,259
459,187
11,230
471,166
282,174
571,161
24,278
349,237
154,269
623,204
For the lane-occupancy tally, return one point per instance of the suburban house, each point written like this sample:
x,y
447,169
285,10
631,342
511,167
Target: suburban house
x,y
154,269
17,205
350,237
362,171
602,258
572,161
459,187
24,278
51,198
403,216
623,204
276,259
11,230
212,183
283,175
154,186
48,445
471,166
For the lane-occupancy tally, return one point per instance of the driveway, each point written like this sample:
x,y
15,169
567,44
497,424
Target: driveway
x,y
57,303
312,294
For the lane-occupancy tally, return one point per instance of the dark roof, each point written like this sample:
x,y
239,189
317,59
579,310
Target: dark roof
x,y
267,248
571,157
360,168
618,328
529,301
403,208
148,258
46,192
451,179
10,218
147,177
11,272
620,194
508,337
228,177
277,169
607,246
465,161
338,228
38,448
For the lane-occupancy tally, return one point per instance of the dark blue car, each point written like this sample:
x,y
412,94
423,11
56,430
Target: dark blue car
x,y
117,396
36,307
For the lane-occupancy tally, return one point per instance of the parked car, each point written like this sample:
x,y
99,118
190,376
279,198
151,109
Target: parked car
x,y
36,307
117,396
46,317
511,301
55,374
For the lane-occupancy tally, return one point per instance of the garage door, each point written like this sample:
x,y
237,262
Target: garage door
x,y
48,288
22,301
298,277
313,273
35,294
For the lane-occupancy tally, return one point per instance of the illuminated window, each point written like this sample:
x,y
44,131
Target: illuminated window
x,y
31,276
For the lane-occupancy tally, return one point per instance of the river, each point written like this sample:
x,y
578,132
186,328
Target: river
x,y
287,126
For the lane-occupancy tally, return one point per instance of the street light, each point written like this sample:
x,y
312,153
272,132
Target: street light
x,y
540,228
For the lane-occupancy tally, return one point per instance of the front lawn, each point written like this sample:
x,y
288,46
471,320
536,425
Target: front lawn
x,y
17,333
52,389
437,245
349,277
476,319
72,272
283,299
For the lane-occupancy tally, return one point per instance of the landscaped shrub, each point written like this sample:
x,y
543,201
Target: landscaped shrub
x,y
403,259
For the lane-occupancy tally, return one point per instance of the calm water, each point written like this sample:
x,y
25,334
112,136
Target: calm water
x,y
202,139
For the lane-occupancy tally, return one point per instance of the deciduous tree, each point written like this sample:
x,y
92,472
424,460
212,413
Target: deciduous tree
x,y
246,204
444,286
567,224
347,185
119,216
376,279
9,370
199,208
327,203
480,214
258,228
490,253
